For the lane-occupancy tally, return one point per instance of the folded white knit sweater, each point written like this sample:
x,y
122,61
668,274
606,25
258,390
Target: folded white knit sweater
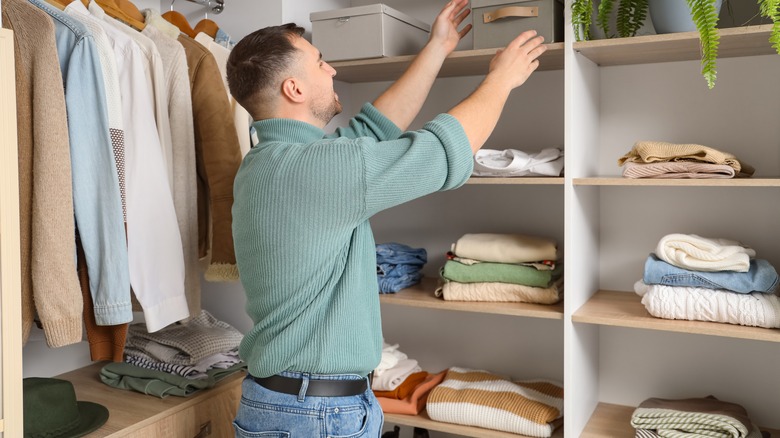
x,y
505,248
478,398
689,251
715,305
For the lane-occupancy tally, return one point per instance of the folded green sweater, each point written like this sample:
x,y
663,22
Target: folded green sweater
x,y
500,273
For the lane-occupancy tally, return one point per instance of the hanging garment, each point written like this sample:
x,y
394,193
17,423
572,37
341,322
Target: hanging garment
x,y
78,11
218,157
48,268
96,195
240,115
512,162
154,245
182,167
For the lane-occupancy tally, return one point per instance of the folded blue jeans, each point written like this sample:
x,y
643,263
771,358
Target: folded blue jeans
x,y
400,254
762,277
271,414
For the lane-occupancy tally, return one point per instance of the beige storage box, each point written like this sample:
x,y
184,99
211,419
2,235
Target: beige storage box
x,y
370,31
497,22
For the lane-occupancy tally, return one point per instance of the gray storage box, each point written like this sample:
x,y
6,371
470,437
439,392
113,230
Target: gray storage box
x,y
497,22
370,31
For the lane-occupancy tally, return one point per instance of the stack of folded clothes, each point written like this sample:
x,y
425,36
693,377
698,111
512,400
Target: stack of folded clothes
x,y
513,162
703,279
479,398
399,383
693,417
177,360
398,266
502,268
655,159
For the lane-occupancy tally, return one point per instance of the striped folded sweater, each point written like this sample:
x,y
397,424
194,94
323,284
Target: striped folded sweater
x,y
478,398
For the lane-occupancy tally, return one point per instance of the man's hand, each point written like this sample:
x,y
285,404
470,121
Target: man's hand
x,y
512,65
444,32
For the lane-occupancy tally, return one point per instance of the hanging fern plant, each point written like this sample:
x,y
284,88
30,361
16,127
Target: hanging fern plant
x,y
581,18
705,16
771,9
631,15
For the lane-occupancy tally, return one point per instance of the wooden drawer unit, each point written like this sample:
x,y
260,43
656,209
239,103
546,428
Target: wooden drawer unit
x,y
204,414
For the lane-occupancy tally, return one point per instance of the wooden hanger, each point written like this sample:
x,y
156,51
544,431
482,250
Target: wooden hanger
x,y
207,26
131,10
112,9
180,21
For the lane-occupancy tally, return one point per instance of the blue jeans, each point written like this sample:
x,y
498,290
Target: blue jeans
x,y
761,277
271,414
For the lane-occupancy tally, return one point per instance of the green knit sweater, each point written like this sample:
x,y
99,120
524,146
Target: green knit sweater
x,y
305,250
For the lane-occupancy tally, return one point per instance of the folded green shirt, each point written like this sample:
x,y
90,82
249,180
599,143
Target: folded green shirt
x,y
500,273
123,375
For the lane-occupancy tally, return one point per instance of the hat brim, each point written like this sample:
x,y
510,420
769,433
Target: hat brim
x,y
92,415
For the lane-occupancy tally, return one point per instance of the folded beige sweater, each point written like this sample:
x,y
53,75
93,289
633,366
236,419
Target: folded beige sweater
x,y
658,151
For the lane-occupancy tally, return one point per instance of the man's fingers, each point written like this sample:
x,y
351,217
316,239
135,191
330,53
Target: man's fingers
x,y
461,16
464,31
537,51
523,38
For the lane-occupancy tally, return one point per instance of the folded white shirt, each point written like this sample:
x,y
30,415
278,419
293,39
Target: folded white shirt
x,y
395,376
513,162
390,357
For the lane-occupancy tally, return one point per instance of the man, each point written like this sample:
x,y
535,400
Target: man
x,y
305,250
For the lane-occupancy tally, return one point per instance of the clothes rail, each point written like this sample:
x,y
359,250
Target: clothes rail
x,y
217,7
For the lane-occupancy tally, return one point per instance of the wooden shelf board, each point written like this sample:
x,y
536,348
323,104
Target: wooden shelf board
x,y
517,181
629,182
625,309
129,410
684,46
609,420
460,63
421,295
424,421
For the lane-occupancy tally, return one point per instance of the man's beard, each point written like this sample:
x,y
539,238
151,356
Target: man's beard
x,y
326,112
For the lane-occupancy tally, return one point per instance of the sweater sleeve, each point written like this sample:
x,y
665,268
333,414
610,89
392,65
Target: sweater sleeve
x,y
435,158
369,122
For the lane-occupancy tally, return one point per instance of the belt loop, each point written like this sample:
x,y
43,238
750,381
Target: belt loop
x,y
369,379
304,387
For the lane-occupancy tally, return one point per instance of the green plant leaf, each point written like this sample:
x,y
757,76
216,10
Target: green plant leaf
x,y
605,12
631,15
771,9
581,12
705,16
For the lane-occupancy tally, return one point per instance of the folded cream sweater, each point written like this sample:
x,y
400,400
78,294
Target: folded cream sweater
x,y
696,253
658,151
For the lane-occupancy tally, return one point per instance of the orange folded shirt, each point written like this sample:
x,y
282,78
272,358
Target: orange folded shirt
x,y
405,388
415,402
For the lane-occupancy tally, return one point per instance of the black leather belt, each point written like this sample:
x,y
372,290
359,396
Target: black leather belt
x,y
316,388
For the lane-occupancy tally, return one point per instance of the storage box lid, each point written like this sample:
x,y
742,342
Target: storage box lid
x,y
377,8
488,3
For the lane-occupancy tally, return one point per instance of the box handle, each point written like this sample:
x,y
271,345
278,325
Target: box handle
x,y
511,11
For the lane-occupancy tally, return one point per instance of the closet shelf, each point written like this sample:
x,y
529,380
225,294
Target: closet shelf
x,y
424,421
516,181
421,295
625,309
615,420
650,182
460,63
684,46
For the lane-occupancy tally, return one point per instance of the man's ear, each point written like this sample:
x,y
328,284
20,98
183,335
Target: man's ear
x,y
292,90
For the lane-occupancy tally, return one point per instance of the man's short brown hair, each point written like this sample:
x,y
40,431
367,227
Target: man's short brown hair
x,y
256,63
